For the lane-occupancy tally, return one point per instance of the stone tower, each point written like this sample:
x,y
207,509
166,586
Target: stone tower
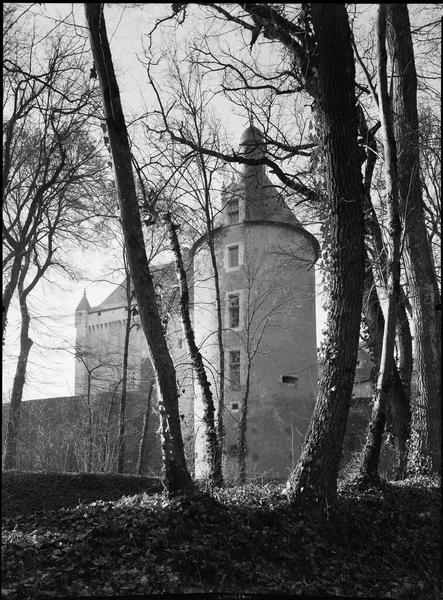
x,y
81,336
265,262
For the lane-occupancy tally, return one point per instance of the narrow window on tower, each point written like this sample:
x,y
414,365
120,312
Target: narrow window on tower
x,y
233,211
234,369
233,256
234,310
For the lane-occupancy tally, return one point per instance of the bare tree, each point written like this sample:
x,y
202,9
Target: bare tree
x,y
425,445
177,478
371,452
47,148
193,176
212,446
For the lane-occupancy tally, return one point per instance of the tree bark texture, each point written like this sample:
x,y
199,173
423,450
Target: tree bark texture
x,y
121,424
398,411
176,475
9,290
212,446
10,460
144,433
404,346
371,451
221,349
425,445
90,441
315,477
242,442
399,406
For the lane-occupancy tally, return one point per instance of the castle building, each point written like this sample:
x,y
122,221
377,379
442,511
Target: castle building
x,y
265,264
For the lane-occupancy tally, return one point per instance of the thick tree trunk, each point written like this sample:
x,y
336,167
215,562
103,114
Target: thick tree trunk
x,y
242,442
144,433
9,290
314,480
425,445
121,424
10,460
212,446
177,478
371,451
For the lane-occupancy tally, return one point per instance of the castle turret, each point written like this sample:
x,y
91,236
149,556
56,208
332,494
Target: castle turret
x,y
264,259
81,342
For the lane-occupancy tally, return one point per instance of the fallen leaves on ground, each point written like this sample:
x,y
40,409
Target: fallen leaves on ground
x,y
384,543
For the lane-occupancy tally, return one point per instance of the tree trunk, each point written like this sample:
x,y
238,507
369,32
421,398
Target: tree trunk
x,y
371,452
177,478
121,427
144,434
242,443
425,445
10,460
221,349
90,426
212,446
314,480
9,290
398,413
107,457
404,346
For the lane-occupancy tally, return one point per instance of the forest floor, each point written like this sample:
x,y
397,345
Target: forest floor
x,y
385,543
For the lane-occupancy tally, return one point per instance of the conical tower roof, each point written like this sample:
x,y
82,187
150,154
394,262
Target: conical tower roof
x,y
83,304
253,137
263,201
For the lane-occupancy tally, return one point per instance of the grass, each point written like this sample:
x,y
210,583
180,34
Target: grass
x,y
245,540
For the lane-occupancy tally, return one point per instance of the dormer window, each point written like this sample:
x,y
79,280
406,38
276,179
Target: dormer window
x,y
233,211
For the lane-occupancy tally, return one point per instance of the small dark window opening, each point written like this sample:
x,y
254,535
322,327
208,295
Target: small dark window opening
x,y
291,379
234,406
99,313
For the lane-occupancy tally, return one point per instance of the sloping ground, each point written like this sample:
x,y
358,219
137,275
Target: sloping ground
x,y
246,540
26,493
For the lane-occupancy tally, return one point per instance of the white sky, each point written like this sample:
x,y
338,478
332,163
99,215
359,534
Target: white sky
x,y
51,373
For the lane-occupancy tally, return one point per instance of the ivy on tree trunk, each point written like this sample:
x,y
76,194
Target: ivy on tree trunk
x,y
213,450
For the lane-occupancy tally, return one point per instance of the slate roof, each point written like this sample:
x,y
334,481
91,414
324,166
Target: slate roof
x,y
83,304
